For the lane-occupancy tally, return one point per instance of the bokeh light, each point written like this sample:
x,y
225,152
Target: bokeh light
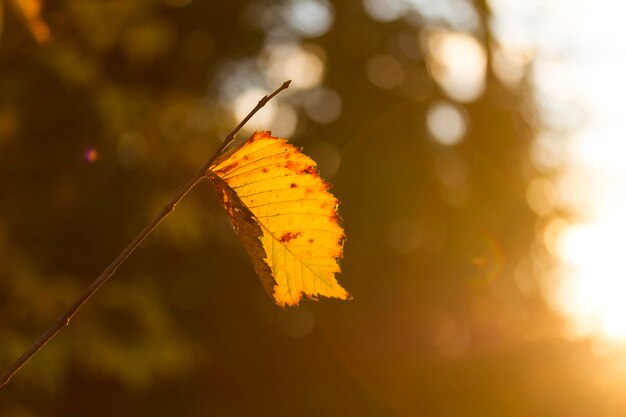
x,y
311,18
304,65
457,61
323,105
384,71
452,169
247,100
385,11
510,65
446,123
90,155
541,196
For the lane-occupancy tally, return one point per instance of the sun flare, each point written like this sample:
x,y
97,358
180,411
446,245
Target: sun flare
x,y
592,292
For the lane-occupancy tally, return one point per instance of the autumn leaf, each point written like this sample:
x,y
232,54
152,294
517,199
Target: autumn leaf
x,y
284,215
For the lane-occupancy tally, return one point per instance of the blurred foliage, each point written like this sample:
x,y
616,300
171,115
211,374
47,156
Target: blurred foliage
x,y
101,123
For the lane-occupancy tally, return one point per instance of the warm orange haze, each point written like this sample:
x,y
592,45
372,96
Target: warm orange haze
x,y
476,149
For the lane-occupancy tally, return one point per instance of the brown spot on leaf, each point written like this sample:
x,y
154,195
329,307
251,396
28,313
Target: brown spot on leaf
x,y
287,237
311,241
293,185
264,170
309,170
292,165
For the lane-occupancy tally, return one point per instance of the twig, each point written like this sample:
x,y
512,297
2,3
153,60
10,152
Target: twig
x,y
65,318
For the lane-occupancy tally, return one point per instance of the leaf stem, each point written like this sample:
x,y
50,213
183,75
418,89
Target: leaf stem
x,y
64,320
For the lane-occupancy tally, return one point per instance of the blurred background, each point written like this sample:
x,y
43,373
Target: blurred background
x,y
477,147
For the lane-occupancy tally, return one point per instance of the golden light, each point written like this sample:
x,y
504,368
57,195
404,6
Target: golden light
x,y
577,76
592,292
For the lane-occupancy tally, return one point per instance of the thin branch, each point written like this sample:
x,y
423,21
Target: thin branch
x,y
65,318
231,136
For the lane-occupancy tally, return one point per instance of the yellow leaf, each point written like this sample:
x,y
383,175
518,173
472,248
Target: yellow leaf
x,y
284,215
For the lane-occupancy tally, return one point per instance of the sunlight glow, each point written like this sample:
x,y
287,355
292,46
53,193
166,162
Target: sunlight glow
x,y
595,249
593,292
578,76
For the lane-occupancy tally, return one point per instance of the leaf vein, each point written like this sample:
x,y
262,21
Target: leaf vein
x,y
274,190
266,179
295,213
291,201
